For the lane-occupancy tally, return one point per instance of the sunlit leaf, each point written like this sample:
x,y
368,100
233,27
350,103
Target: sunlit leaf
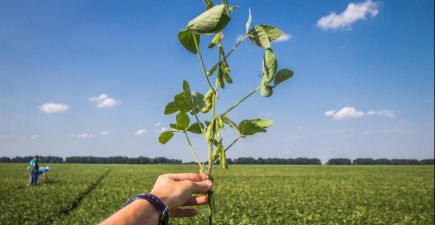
x,y
269,66
182,120
283,75
211,21
170,108
250,127
248,23
186,39
266,90
259,37
197,102
196,128
165,137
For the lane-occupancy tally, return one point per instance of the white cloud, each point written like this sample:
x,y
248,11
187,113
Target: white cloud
x,y
85,135
344,113
353,13
104,101
284,37
351,113
104,132
50,107
158,124
163,129
140,132
383,113
34,137
329,113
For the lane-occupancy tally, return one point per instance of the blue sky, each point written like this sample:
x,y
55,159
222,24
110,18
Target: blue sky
x,y
363,84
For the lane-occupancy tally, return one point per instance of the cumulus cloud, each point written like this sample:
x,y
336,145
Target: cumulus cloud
x,y
140,132
348,112
353,13
284,37
344,113
158,124
383,113
85,135
104,101
50,107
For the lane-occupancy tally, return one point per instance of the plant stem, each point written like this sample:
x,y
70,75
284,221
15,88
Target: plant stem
x,y
197,120
231,145
202,61
241,100
235,46
194,152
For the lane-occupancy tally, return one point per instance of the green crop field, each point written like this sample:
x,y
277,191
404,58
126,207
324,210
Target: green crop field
x,y
86,194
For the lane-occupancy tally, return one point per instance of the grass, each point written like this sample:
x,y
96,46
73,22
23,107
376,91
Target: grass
x,y
248,194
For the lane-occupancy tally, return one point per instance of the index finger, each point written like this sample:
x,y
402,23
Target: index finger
x,y
187,176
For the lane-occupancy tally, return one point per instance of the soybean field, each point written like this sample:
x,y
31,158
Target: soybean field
x,y
248,194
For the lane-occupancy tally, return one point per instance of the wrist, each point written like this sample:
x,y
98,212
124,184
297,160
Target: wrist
x,y
162,198
153,205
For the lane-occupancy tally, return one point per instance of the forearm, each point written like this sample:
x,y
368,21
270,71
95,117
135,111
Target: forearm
x,y
139,212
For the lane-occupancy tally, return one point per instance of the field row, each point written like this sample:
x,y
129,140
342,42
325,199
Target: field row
x,y
86,194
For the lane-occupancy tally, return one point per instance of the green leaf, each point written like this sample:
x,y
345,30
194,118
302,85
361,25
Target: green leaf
x,y
174,126
230,123
215,40
196,128
186,39
232,8
182,120
197,102
187,93
262,35
250,127
259,37
248,23
266,90
182,103
208,4
269,66
283,75
273,32
165,137
211,21
170,108
186,86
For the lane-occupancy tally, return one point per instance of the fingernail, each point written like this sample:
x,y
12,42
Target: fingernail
x,y
209,183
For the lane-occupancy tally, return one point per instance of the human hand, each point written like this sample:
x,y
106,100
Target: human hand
x,y
176,190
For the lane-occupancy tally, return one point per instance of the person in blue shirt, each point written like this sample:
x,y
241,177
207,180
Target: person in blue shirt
x,y
43,171
33,171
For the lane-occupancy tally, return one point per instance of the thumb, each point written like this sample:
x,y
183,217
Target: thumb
x,y
202,187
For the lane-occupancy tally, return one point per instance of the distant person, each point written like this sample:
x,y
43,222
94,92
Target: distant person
x,y
170,192
33,171
43,170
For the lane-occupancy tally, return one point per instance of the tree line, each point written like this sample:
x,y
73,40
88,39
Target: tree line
x,y
381,161
241,160
93,160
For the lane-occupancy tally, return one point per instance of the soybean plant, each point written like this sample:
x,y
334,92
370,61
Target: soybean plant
x,y
189,104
